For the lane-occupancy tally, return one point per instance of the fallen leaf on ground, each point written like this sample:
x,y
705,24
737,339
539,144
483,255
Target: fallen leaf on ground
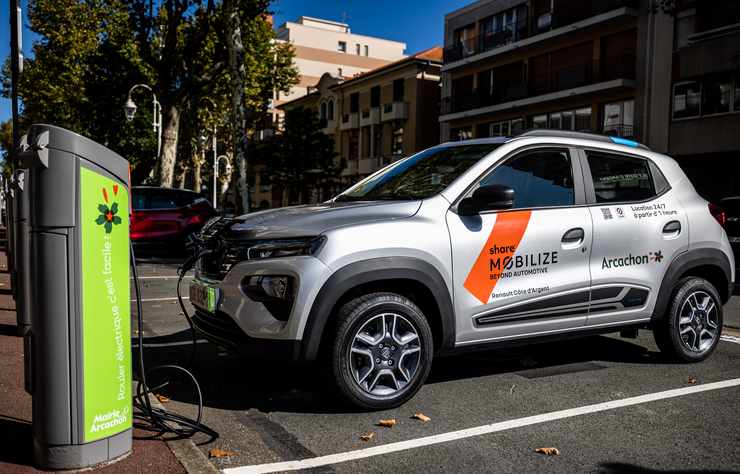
x,y
162,398
367,436
387,423
548,451
421,417
692,379
220,453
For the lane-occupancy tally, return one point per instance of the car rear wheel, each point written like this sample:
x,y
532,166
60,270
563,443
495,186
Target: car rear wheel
x,y
382,350
691,329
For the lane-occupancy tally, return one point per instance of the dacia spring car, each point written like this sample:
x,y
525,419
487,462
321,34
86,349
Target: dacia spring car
x,y
467,245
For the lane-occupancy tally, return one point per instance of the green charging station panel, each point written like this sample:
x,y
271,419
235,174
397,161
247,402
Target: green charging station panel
x,y
106,306
80,337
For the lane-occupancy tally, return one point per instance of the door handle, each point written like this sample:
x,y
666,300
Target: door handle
x,y
573,237
671,229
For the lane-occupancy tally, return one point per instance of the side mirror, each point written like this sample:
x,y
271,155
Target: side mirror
x,y
487,198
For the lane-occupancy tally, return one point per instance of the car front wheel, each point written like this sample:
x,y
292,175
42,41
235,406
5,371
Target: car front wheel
x,y
382,350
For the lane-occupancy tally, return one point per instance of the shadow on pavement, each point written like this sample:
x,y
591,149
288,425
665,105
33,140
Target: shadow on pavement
x,y
623,468
16,441
230,382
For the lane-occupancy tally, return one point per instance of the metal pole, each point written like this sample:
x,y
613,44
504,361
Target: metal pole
x,y
215,167
16,66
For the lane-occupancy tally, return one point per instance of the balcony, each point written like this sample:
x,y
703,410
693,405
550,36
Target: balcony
x,y
351,168
328,126
368,165
565,13
370,117
395,111
350,121
555,80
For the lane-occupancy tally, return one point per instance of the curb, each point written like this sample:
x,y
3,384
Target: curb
x,y
187,453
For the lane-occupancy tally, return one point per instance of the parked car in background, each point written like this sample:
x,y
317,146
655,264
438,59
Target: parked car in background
x,y
731,206
163,220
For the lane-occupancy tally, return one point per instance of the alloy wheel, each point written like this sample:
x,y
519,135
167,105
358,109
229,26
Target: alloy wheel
x,y
385,354
698,322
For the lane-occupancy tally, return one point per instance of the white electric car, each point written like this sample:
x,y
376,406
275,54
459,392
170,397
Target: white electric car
x,y
468,244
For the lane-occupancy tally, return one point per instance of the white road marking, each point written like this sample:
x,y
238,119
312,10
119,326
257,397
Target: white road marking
x,y
477,431
162,277
734,339
149,300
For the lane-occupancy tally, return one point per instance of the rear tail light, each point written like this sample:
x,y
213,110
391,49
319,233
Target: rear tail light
x,y
718,213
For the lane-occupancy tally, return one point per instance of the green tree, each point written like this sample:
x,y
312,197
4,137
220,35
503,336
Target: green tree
x,y
302,157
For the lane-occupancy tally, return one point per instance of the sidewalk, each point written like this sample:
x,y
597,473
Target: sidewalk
x,y
16,452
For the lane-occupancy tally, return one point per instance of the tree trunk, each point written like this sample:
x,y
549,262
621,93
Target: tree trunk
x,y
182,178
235,49
168,154
197,180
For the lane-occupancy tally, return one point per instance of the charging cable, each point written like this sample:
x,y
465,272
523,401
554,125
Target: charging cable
x,y
165,421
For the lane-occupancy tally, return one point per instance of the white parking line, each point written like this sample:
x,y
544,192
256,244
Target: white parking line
x,y
149,300
734,339
477,431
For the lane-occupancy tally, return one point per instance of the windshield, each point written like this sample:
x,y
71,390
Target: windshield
x,y
419,176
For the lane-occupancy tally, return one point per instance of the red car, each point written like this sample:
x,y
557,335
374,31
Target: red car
x,y
163,220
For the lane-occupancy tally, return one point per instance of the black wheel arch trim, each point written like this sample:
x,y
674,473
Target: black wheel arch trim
x,y
369,271
685,262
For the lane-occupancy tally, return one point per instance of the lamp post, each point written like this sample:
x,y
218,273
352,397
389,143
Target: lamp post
x,y
130,110
215,176
215,148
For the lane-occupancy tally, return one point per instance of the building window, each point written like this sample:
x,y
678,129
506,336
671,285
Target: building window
x,y
686,100
357,48
330,111
354,148
576,120
367,50
619,118
462,133
378,141
375,96
354,102
322,114
398,92
397,141
716,95
342,46
506,128
684,26
366,142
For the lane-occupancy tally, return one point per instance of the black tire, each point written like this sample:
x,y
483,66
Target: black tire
x,y
666,331
351,319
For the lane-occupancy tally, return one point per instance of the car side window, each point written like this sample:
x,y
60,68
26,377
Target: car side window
x,y
620,178
539,178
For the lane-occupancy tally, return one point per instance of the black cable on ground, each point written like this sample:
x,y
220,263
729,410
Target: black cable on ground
x,y
160,418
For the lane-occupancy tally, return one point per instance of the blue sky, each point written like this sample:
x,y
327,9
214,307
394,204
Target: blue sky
x,y
419,24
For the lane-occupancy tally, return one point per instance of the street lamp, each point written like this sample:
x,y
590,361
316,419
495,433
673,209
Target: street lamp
x,y
130,110
215,176
215,148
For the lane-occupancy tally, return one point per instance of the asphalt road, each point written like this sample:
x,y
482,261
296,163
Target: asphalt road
x,y
276,413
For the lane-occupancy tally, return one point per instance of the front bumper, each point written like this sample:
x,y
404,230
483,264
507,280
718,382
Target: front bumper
x,y
240,323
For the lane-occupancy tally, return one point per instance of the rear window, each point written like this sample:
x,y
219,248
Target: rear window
x,y
162,198
620,178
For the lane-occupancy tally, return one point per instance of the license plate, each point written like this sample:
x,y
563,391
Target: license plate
x,y
204,297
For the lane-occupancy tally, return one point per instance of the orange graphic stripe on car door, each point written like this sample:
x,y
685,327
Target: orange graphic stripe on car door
x,y
507,231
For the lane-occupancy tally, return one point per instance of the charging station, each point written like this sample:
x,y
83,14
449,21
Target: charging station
x,y
21,252
78,351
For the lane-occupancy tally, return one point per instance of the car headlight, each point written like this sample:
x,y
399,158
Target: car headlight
x,y
284,248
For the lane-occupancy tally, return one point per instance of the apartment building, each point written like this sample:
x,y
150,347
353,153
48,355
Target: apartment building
x,y
511,65
324,46
665,73
380,116
692,94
